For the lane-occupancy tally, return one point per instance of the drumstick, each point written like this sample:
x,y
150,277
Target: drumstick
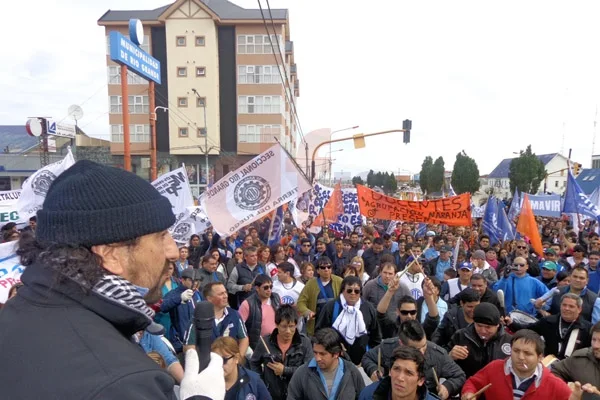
x,y
379,360
265,344
483,389
415,260
435,378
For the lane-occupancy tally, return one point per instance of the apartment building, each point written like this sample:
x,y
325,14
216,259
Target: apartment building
x,y
222,87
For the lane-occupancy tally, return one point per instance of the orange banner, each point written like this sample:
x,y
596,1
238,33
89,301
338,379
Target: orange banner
x,y
453,211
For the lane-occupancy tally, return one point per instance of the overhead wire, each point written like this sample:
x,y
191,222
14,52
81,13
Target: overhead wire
x,y
284,78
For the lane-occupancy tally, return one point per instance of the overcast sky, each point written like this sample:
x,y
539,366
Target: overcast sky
x,y
489,79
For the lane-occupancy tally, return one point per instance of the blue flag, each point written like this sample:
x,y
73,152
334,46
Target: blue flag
x,y
421,230
506,226
515,206
576,202
490,221
276,227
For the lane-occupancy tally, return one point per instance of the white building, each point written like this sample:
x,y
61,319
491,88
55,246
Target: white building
x,y
556,182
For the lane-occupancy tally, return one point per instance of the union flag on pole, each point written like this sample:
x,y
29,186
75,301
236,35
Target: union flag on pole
x,y
255,189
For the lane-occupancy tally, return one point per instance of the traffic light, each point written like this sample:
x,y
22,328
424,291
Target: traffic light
x,y
406,127
576,168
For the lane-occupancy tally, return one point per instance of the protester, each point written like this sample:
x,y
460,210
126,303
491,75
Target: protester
x,y
454,286
242,276
519,287
258,310
578,286
456,318
583,365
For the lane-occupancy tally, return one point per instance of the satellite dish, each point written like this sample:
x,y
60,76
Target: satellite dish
x,y
75,112
34,127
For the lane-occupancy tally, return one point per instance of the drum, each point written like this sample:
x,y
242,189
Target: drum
x,y
549,359
521,317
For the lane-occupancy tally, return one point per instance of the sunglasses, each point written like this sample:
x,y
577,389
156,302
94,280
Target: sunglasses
x,y
355,291
238,252
518,265
324,266
408,312
521,247
226,359
306,245
267,287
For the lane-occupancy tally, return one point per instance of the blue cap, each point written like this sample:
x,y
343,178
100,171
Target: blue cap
x,y
466,265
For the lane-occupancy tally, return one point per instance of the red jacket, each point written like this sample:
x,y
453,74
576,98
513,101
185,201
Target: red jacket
x,y
496,373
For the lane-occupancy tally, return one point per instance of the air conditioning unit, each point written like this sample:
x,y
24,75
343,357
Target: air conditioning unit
x,y
145,162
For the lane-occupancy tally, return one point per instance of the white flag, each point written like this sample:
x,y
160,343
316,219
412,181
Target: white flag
x,y
36,187
10,268
253,190
192,221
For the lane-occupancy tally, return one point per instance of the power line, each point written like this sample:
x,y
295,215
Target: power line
x,y
284,79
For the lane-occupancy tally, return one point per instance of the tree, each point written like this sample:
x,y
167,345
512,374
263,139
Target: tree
x,y
425,173
526,172
436,178
390,184
465,174
357,180
370,179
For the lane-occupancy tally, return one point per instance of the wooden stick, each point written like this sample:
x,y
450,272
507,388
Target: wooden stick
x,y
483,389
415,260
379,360
265,344
435,378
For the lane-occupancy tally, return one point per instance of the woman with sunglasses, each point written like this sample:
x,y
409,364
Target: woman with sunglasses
x,y
240,382
354,319
359,264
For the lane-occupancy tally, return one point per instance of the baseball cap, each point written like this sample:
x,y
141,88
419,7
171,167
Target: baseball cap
x,y
550,251
430,233
446,248
550,265
189,273
466,265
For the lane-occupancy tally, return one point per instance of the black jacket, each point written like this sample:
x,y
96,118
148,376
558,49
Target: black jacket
x,y
454,319
435,357
480,354
588,297
372,261
300,352
548,328
359,347
59,343
488,297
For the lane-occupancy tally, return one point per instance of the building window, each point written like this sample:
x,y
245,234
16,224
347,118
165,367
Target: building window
x,y
259,133
200,101
137,105
258,74
114,76
181,71
201,71
180,41
115,105
259,105
200,41
555,183
182,102
258,44
564,184
201,132
137,133
595,164
183,132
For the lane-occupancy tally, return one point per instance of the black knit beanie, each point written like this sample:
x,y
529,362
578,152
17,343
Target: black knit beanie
x,y
91,204
486,313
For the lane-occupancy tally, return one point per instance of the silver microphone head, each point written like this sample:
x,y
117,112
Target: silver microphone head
x,y
500,294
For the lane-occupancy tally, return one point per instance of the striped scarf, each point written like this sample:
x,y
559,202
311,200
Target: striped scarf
x,y
120,290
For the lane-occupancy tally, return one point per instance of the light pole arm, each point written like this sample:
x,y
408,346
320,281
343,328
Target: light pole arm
x,y
312,174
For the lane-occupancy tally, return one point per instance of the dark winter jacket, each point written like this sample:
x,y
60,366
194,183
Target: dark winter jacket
x,y
329,314
581,367
453,320
307,384
372,261
488,297
85,349
480,353
300,352
588,297
548,328
181,314
435,357
248,386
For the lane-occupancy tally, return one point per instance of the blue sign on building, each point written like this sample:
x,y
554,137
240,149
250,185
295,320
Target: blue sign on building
x,y
124,51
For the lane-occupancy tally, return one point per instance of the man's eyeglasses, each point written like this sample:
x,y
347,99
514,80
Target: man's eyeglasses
x,y
267,287
518,265
238,252
408,312
522,247
324,266
355,291
306,245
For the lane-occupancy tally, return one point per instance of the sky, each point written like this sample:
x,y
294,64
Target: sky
x,y
487,78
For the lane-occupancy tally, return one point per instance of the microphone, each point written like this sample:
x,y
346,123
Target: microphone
x,y
204,321
500,294
547,296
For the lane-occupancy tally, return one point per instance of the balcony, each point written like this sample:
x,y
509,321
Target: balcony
x,y
293,69
289,47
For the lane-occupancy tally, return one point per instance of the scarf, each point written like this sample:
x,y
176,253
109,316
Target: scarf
x,y
117,289
350,323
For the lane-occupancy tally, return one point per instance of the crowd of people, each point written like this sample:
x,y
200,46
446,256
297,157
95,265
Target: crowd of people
x,y
107,300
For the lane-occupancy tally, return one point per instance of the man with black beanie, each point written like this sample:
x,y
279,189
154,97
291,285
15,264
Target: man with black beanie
x,y
99,256
482,341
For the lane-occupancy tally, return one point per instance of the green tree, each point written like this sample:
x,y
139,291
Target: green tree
x,y
436,178
526,172
379,179
392,183
357,180
425,173
371,179
465,174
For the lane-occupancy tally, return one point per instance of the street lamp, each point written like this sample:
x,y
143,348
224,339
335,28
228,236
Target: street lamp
x,y
331,164
330,136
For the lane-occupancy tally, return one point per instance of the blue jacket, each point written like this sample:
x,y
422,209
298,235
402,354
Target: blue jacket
x,y
382,390
182,315
248,386
519,292
594,282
